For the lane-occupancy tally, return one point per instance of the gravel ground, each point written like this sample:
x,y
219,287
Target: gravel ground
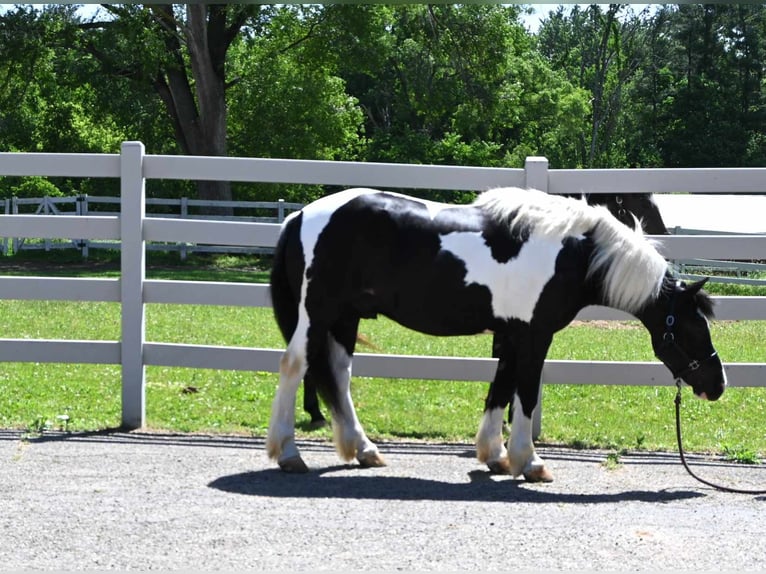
x,y
156,501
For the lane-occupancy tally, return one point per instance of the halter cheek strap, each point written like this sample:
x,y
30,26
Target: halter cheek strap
x,y
622,213
670,352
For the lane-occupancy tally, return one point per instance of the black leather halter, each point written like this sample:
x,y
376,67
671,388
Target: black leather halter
x,y
670,352
622,214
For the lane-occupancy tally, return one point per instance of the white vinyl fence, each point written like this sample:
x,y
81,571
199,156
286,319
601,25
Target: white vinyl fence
x,y
133,352
82,205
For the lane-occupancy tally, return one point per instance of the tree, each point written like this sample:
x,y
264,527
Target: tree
x,y
600,52
46,101
288,100
181,52
450,84
709,113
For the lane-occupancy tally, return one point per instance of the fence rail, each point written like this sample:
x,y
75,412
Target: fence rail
x,y
134,229
81,206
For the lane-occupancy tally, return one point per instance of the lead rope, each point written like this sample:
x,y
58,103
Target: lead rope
x,y
683,458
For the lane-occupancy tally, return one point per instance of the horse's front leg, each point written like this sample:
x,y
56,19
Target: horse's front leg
x,y
489,440
521,450
501,341
523,458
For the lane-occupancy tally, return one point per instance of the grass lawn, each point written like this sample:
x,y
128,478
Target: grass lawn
x,y
86,397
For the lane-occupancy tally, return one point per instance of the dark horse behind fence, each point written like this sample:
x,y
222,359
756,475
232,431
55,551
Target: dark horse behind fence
x,y
516,262
631,209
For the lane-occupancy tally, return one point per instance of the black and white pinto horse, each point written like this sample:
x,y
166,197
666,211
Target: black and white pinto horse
x,y
632,209
520,263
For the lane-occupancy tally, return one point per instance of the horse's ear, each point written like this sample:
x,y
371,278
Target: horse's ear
x,y
697,285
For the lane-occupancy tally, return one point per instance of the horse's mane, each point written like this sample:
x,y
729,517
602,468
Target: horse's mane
x,y
631,267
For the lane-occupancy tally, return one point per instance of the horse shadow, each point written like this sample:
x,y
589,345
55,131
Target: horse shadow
x,y
482,487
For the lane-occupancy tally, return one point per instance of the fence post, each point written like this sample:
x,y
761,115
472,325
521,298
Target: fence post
x,y
536,172
6,206
184,215
46,211
82,209
133,272
16,243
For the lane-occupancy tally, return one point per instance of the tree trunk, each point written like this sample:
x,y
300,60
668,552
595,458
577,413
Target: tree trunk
x,y
199,122
207,65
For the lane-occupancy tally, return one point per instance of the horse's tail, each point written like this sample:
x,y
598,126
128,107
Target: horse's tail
x,y
286,276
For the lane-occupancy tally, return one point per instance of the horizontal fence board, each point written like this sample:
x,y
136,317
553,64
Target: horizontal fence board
x,y
206,293
639,373
718,279
439,368
712,246
424,367
606,372
739,308
601,313
252,234
659,180
213,232
59,351
723,265
352,174
257,295
212,357
726,308
60,289
60,164
55,226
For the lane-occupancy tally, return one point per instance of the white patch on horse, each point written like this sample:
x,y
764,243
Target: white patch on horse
x,y
521,449
489,438
434,208
634,270
516,285
316,215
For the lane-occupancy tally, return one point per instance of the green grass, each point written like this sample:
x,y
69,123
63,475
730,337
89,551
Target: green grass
x,y
203,400
86,397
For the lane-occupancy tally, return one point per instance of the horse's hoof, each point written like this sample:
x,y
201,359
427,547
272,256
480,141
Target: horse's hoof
x,y
538,474
500,466
317,424
294,465
370,459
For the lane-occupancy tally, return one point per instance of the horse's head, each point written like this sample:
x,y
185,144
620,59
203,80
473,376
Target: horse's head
x,y
678,323
629,207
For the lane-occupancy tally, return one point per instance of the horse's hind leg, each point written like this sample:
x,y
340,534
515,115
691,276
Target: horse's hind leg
x,y
349,436
311,401
280,442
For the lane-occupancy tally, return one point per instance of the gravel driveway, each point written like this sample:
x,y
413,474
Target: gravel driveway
x,y
157,501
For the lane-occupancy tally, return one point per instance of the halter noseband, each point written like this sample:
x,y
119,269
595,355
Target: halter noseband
x,y
670,352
